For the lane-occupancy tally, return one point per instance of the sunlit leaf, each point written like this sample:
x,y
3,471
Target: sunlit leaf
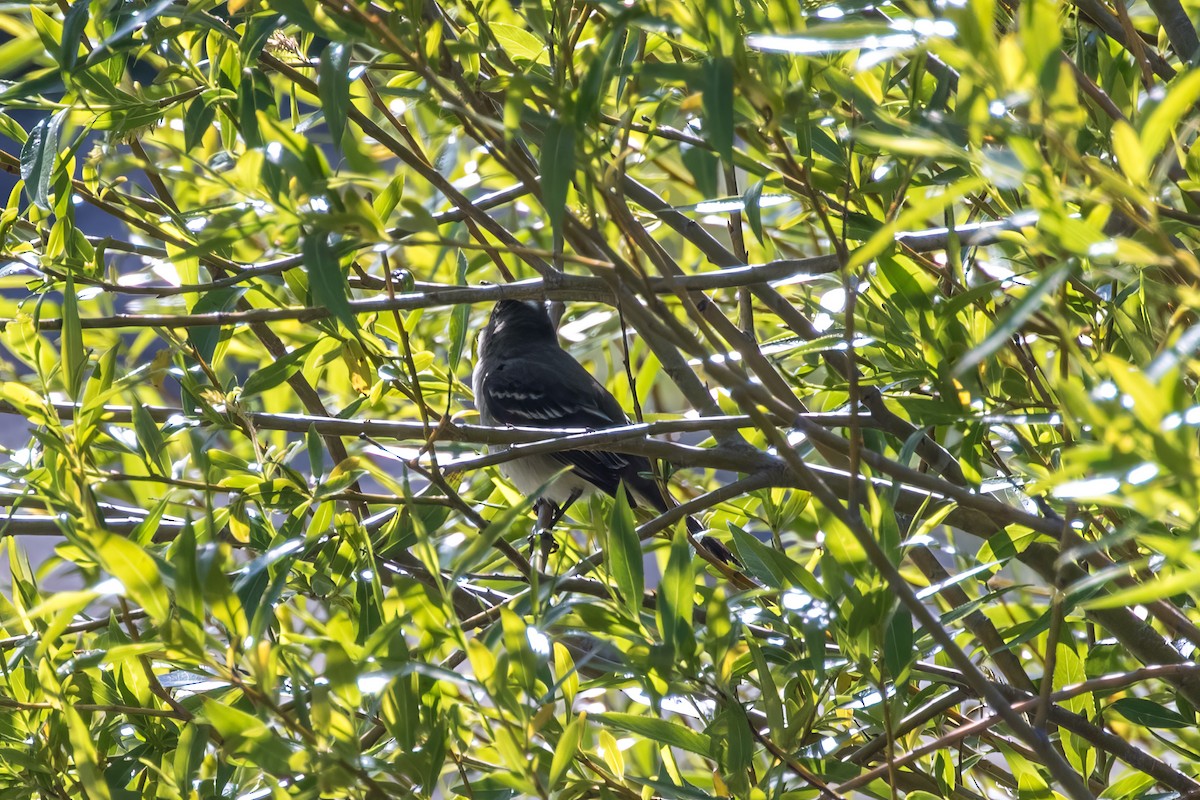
x,y
625,555
333,81
558,169
39,157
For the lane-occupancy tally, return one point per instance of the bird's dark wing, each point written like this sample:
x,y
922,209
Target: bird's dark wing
x,y
548,388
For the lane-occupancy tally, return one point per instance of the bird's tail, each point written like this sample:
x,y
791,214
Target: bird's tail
x,y
652,493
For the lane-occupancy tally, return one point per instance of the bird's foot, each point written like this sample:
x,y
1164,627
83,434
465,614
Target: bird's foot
x,y
542,538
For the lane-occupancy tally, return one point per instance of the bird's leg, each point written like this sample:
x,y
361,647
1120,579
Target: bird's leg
x,y
546,515
549,515
561,511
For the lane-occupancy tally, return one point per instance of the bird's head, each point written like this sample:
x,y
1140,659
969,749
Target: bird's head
x,y
523,322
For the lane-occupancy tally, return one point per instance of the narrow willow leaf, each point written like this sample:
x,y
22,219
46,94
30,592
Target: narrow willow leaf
x,y
567,750
316,451
768,693
459,317
149,437
48,81
1181,98
74,22
660,730
189,753
750,202
247,108
1129,153
130,24
625,554
138,573
1028,305
326,280
675,599
1141,711
717,95
333,86
739,744
74,358
842,37
1069,671
898,646
558,168
205,338
704,167
276,372
197,121
591,91
1130,786
38,158
87,763
1155,589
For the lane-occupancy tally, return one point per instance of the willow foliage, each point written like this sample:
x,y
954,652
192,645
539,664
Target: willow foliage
x,y
905,294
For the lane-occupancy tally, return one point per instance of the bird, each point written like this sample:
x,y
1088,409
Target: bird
x,y
523,377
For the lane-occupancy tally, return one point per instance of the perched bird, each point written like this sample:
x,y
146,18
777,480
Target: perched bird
x,y
524,378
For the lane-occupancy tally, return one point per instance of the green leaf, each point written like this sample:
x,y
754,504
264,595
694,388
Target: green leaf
x,y
675,599
15,57
276,372
516,644
558,168
316,451
189,754
767,690
10,128
248,108
661,731
567,750
898,648
39,156
48,81
1026,307
718,106
130,23
246,734
704,167
1128,787
74,23
1158,125
326,279
137,571
625,554
85,756
460,316
739,745
150,439
1133,160
1148,713
390,197
773,568
751,203
197,121
205,338
333,87
483,541
591,90
74,358
1184,580
1069,671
